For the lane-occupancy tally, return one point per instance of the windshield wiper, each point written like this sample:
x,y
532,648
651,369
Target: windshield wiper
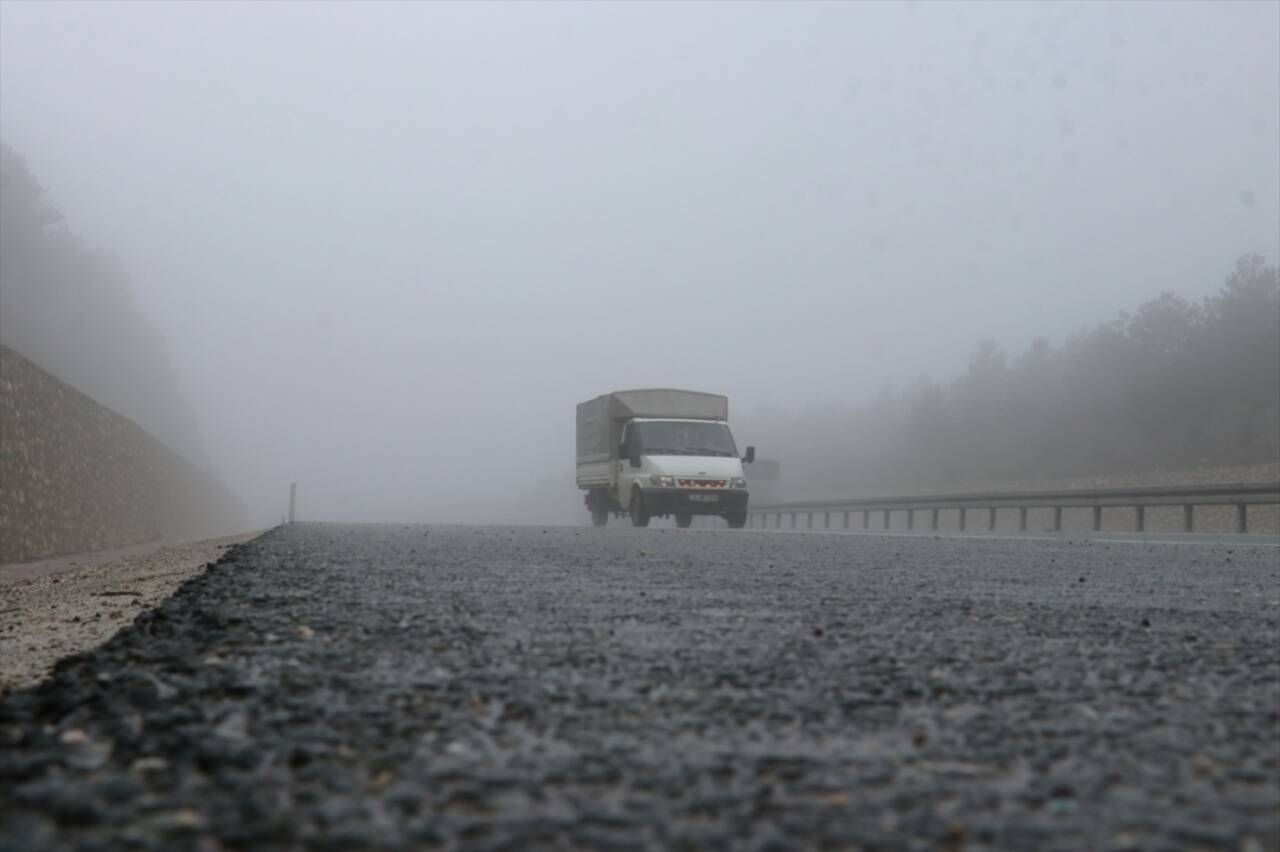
x,y
707,451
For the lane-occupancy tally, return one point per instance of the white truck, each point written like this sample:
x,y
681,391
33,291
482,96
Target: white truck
x,y
659,452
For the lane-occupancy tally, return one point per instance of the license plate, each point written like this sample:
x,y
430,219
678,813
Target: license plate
x,y
704,498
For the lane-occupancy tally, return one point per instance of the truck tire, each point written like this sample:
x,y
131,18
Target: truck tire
x,y
737,520
639,512
684,521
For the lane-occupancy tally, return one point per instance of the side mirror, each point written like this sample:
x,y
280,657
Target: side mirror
x,y
635,460
750,456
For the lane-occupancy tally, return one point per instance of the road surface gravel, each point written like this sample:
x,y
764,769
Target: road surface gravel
x,y
381,687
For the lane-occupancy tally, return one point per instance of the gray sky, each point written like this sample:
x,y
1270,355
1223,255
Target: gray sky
x,y
391,246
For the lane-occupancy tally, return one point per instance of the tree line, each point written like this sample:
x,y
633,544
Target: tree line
x,y
69,308
1173,385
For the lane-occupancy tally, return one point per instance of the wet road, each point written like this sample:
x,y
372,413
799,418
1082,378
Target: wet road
x,y
353,687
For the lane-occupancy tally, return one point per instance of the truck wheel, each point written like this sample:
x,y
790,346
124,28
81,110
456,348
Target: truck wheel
x,y
639,513
737,520
683,521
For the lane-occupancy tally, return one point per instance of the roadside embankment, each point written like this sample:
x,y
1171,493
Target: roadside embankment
x,y
77,477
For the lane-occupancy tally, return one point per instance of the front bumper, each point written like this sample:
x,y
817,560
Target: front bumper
x,y
694,501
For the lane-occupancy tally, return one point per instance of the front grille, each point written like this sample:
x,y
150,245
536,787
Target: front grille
x,y
702,483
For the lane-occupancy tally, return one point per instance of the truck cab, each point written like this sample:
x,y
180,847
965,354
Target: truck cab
x,y
681,468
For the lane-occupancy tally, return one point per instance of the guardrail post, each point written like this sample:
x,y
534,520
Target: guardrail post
x,y
933,520
1188,518
293,494
826,520
886,519
911,519
1242,518
809,521
1140,517
963,518
1022,519
866,518
991,519
793,520
1097,518
846,519
1057,519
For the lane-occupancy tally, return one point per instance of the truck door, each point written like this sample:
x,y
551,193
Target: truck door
x,y
626,473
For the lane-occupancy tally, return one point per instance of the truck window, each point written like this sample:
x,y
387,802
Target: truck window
x,y
675,437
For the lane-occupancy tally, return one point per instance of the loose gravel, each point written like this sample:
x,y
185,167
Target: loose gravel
x,y
379,687
53,608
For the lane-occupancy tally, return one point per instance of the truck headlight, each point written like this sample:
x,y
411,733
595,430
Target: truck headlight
x,y
662,481
737,482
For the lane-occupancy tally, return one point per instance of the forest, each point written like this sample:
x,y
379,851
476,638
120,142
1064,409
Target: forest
x,y
69,308
1174,385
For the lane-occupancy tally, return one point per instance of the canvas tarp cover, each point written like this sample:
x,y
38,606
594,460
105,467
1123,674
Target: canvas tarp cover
x,y
600,420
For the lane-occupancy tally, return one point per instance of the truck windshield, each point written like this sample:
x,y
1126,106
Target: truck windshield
x,y
682,438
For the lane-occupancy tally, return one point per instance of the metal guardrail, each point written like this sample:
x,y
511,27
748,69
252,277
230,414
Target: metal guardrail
x,y
1241,495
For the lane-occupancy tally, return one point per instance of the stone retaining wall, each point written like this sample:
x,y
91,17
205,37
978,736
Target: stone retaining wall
x,y
76,476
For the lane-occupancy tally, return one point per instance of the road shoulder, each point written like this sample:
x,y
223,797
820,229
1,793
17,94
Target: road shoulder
x,y
67,605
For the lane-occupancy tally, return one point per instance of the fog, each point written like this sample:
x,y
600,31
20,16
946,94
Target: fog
x,y
389,247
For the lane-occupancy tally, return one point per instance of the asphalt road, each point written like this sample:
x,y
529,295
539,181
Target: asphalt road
x,y
348,687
